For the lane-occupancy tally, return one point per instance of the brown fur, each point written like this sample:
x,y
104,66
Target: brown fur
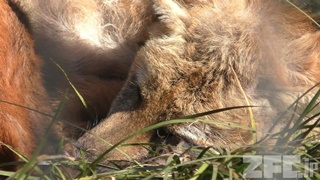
x,y
96,64
21,88
94,41
197,52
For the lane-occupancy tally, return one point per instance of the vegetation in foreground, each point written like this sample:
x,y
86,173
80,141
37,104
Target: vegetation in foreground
x,y
299,140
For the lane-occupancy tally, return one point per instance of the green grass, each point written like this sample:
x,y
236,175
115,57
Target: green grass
x,y
300,138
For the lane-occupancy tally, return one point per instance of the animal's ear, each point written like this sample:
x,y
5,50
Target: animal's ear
x,y
173,17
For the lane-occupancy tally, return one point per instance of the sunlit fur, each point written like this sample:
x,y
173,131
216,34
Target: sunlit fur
x,y
195,56
23,99
94,41
197,52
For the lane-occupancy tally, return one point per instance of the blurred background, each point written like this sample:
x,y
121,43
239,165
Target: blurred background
x,y
314,5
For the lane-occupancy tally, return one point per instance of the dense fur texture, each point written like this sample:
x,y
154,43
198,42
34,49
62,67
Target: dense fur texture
x,y
94,41
197,52
23,98
197,56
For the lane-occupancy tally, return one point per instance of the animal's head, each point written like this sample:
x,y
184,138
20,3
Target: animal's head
x,y
206,55
197,59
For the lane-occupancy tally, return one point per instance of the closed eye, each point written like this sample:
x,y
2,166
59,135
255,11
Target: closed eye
x,y
120,77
